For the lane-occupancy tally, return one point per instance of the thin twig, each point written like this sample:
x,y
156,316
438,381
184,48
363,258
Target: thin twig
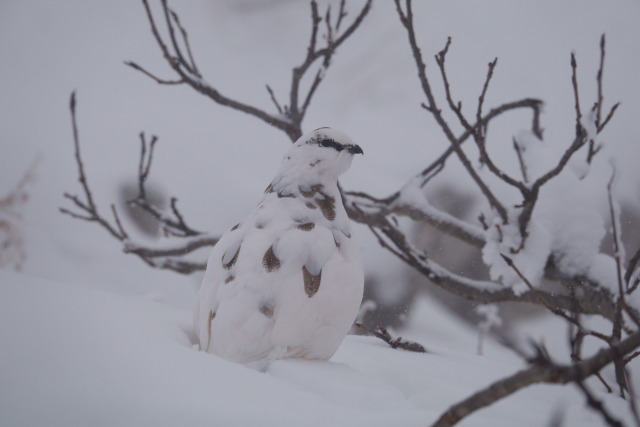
x,y
185,38
89,212
382,333
523,166
406,18
599,102
598,406
558,312
576,96
273,99
152,76
631,268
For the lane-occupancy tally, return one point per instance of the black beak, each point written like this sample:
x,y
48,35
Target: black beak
x,y
355,149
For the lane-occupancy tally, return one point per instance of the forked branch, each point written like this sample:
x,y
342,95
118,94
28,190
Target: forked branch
x,y
170,258
287,118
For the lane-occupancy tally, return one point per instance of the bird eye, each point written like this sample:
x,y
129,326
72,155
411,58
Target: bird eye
x,y
326,143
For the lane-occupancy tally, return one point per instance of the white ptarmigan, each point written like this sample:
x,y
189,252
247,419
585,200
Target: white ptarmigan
x,y
287,281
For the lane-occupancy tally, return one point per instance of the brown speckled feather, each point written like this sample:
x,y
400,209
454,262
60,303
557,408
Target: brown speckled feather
x,y
311,282
270,261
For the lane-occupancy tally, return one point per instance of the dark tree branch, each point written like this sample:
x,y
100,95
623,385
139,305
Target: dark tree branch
x,y
88,206
534,104
599,102
632,266
288,119
574,83
185,38
152,76
274,100
455,107
609,116
523,166
188,76
597,405
382,333
621,303
168,258
480,138
542,371
175,226
406,18
342,13
297,112
573,320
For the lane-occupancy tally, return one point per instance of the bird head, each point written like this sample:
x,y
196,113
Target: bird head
x,y
324,153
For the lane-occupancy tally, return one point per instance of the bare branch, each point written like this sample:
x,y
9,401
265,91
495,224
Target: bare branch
x,y
537,293
288,118
609,116
185,38
177,226
615,227
190,76
621,303
492,66
455,107
274,100
441,220
116,218
534,104
523,166
342,13
152,76
599,102
382,333
541,372
296,111
576,96
598,406
89,207
406,18
632,266
176,47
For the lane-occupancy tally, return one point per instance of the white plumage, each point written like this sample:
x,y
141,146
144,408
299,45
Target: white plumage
x,y
287,281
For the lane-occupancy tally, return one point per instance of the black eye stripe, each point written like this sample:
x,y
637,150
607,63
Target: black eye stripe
x,y
328,142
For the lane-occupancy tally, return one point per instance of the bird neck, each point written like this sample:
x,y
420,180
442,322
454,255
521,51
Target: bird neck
x,y
294,179
304,187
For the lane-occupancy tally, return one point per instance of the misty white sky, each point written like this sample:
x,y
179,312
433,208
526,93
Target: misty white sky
x,y
49,49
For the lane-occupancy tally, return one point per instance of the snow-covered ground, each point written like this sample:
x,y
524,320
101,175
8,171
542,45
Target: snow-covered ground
x,y
77,356
91,336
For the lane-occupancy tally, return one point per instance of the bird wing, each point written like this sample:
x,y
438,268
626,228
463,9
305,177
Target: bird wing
x,y
221,260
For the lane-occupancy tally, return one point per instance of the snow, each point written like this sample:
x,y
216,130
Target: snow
x,y
92,336
567,220
530,260
77,356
